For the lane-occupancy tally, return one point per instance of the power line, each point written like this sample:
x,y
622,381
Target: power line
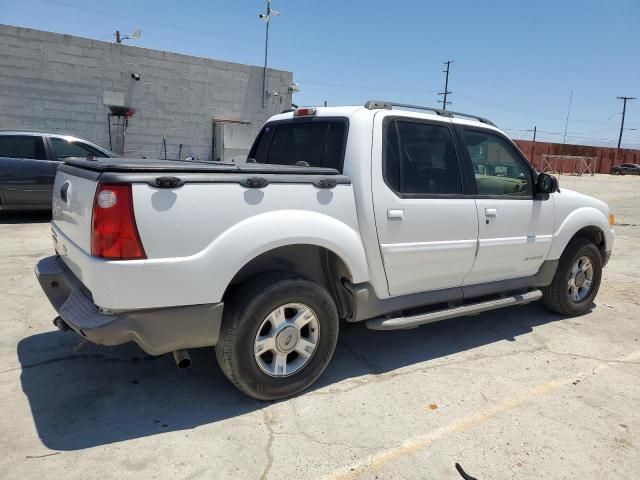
x,y
624,111
365,87
446,85
569,134
194,30
186,28
191,29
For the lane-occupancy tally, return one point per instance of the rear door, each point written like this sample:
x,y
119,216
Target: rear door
x,y
515,228
26,175
427,223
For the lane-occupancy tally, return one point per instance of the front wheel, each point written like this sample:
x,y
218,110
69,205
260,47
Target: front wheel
x,y
278,335
577,279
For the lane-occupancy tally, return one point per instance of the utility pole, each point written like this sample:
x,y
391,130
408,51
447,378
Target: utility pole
x,y
118,39
266,17
446,85
566,124
533,147
624,112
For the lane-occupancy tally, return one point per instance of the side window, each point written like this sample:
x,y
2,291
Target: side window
x,y
420,158
22,146
64,149
498,169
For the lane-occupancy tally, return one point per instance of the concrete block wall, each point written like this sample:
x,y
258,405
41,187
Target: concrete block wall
x,y
57,83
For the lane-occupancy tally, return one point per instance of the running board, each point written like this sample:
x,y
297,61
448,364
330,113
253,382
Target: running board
x,y
472,309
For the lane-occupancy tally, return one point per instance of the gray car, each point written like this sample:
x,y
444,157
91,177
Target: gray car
x,y
626,169
28,165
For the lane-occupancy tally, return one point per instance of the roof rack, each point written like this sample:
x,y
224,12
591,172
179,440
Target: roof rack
x,y
377,104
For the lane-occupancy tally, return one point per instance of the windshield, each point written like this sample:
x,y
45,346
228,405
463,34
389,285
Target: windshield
x,y
314,143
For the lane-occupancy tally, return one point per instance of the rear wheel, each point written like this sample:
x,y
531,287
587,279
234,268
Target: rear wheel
x,y
577,279
277,336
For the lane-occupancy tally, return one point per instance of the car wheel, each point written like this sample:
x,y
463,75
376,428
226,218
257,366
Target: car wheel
x,y
277,336
577,279
616,172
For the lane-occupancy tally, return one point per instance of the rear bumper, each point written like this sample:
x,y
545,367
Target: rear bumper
x,y
156,331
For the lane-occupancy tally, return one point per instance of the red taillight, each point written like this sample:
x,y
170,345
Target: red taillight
x,y
304,112
114,234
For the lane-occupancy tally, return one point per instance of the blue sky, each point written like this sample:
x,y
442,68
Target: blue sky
x,y
515,62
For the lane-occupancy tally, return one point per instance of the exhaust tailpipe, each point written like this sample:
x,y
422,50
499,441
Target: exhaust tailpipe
x,y
182,358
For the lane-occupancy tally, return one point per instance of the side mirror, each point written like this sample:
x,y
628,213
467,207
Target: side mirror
x,y
547,184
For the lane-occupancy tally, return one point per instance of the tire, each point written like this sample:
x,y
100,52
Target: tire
x,y
616,172
556,296
248,313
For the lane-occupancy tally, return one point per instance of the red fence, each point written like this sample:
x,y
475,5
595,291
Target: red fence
x,y
607,157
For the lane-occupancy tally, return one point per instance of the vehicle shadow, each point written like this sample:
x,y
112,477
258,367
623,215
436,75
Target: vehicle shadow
x,y
24,217
83,395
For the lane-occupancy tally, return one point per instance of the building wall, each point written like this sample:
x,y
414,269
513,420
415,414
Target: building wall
x,y
607,157
60,83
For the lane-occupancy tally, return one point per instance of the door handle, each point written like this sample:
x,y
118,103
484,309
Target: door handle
x,y
395,214
491,212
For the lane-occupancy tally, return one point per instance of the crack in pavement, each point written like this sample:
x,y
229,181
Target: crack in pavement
x,y
269,420
373,377
100,358
300,431
312,439
382,377
590,357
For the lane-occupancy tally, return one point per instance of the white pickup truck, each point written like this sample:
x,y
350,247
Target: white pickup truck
x,y
395,215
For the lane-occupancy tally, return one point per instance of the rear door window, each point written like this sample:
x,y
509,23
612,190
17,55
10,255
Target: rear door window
x,y
317,143
22,146
420,159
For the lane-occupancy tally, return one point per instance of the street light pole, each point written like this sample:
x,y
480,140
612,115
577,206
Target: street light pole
x,y
266,17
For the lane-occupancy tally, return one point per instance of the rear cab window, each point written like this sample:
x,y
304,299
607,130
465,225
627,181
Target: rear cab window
x,y
317,142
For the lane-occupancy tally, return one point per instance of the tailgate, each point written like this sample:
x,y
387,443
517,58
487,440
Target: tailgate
x,y
73,192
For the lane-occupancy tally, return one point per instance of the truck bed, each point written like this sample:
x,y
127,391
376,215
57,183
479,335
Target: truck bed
x,y
199,223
